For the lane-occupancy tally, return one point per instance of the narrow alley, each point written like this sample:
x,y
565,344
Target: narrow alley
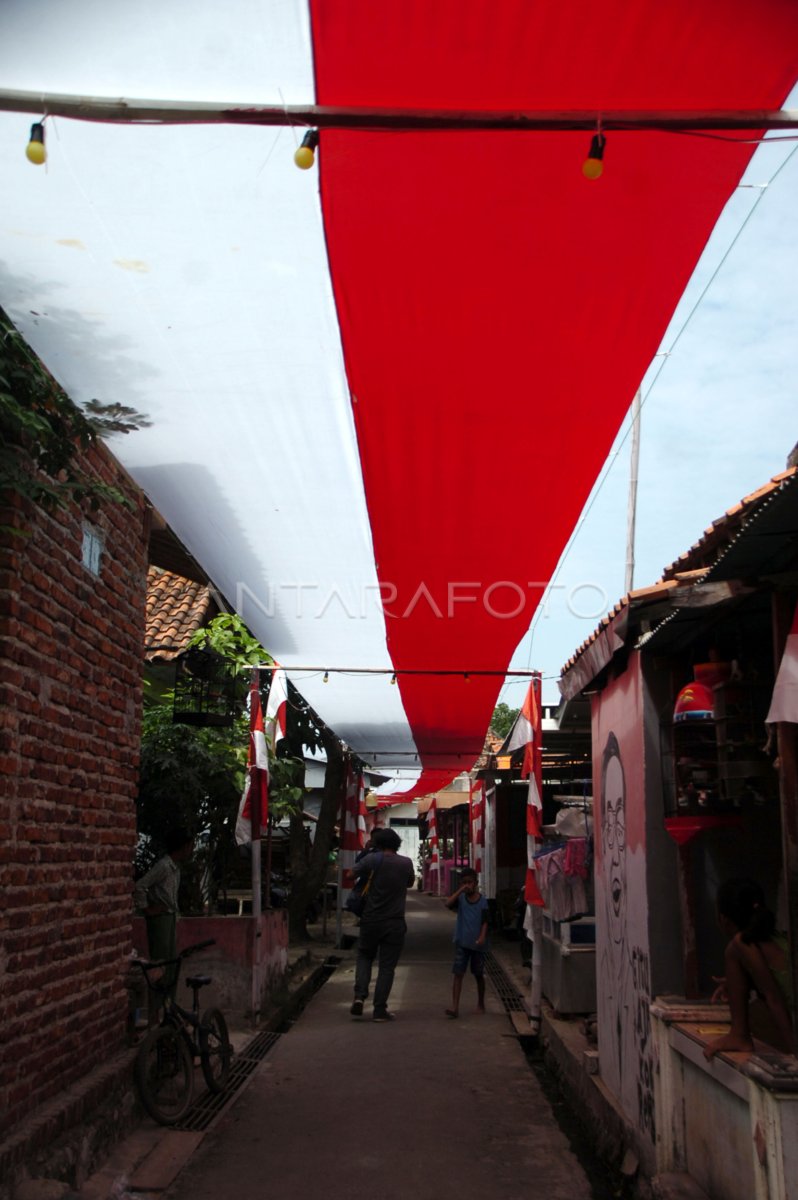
x,y
423,1107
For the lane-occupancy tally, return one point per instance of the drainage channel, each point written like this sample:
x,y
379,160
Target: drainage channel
x,y
205,1110
605,1183
503,986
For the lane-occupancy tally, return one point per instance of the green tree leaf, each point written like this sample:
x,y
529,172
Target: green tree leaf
x,y
503,719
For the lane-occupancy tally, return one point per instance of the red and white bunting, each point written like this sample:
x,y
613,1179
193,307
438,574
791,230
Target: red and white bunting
x,y
477,823
432,836
362,812
784,703
257,782
353,825
533,766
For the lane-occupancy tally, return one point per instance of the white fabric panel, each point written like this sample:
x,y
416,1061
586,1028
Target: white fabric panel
x,y
182,271
403,782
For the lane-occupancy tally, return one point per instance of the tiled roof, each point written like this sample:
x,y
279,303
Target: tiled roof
x,y
492,746
691,565
176,609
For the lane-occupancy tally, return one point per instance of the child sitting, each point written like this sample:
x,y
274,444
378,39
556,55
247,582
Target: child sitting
x,y
756,958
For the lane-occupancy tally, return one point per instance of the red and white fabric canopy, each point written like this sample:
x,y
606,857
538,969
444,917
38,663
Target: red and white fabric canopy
x,y
396,376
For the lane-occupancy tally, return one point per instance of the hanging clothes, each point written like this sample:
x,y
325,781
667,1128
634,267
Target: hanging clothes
x,y
564,893
576,852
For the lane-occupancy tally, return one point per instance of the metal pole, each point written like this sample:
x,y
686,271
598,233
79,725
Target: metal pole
x,y
535,933
534,913
489,848
131,110
632,509
269,828
339,897
339,900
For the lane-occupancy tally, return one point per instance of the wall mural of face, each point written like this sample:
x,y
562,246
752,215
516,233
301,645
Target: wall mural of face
x,y
627,1059
613,837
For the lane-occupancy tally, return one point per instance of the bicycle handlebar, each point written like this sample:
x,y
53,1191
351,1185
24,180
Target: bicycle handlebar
x,y
197,946
150,964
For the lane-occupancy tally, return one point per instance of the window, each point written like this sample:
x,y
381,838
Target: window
x,y
93,542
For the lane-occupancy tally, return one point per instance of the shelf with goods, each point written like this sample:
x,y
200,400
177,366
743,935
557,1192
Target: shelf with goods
x,y
695,768
713,758
744,768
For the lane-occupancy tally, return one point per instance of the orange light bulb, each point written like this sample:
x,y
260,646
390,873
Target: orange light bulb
x,y
593,167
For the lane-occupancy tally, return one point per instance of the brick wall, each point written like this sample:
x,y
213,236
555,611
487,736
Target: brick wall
x,y
70,700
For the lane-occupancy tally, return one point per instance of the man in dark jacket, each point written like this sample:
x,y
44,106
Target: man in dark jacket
x,y
382,925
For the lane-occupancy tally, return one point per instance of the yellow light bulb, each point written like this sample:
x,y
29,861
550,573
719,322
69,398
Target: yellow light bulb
x,y
35,151
304,158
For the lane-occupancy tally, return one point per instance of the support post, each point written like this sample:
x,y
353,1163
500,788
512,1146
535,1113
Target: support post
x,y
634,466
783,608
255,818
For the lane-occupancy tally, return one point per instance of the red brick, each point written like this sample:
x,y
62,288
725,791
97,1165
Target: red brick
x,y
70,664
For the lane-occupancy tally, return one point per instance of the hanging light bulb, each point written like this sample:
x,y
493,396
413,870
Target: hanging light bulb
x,y
593,166
35,151
326,678
393,679
305,155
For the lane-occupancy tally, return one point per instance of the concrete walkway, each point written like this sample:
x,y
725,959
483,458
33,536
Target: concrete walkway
x,y
423,1107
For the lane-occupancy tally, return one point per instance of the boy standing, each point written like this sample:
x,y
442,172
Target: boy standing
x,y
470,939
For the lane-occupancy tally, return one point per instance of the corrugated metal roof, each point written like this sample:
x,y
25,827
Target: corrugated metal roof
x,y
756,536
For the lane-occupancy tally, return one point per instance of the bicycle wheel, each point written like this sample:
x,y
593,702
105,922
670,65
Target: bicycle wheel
x,y
165,1074
215,1050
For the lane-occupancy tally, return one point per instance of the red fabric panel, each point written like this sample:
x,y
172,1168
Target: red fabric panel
x,y
498,311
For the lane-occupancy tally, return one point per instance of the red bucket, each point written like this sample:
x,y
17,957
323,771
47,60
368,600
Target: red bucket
x,y
695,702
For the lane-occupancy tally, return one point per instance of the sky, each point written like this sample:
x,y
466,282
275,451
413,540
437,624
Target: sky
x,y
719,417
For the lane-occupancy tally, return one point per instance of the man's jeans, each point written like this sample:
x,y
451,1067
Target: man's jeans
x,y
383,939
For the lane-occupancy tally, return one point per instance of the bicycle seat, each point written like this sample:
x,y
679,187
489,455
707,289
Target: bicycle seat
x,y
198,981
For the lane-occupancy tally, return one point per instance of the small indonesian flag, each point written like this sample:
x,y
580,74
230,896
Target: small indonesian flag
x,y
523,731
784,702
276,710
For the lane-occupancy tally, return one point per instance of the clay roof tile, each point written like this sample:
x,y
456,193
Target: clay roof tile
x,y
176,609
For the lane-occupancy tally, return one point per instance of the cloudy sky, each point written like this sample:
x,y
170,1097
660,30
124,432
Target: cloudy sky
x,y
719,417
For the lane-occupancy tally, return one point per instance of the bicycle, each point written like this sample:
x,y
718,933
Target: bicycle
x,y
165,1061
